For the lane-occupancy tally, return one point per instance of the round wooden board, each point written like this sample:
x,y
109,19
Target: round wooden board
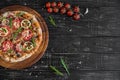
x,y
45,38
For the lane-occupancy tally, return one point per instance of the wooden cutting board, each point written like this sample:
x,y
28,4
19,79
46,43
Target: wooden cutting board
x,y
45,38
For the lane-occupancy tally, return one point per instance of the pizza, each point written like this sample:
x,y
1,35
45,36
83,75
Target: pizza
x,y
20,36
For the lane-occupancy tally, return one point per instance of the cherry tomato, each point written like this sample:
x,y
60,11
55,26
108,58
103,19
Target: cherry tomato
x,y
18,47
59,4
27,34
7,45
50,10
67,6
69,12
63,10
76,16
16,23
53,4
76,9
48,5
4,31
55,9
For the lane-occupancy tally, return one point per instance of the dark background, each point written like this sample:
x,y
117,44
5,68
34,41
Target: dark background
x,y
90,46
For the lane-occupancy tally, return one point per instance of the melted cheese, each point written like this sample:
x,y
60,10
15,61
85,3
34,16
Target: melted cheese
x,y
38,41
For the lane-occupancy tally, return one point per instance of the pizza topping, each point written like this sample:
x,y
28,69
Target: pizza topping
x,y
10,15
17,32
27,34
18,54
33,41
19,13
7,45
5,22
10,22
4,31
28,46
18,47
25,23
10,51
16,23
1,41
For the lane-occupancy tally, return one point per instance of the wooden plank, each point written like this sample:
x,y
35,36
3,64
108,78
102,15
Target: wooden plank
x,y
102,21
81,61
88,3
85,75
71,44
75,61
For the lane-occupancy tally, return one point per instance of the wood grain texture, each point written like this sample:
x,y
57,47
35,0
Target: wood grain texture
x,y
90,46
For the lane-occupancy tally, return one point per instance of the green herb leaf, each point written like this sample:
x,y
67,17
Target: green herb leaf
x,y
24,49
17,32
10,50
56,71
4,30
10,22
1,18
19,29
33,41
51,20
14,35
65,66
31,27
19,14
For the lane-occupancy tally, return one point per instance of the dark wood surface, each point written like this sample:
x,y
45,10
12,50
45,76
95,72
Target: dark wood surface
x,y
91,46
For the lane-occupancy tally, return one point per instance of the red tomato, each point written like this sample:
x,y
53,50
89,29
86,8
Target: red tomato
x,y
50,10
27,34
76,16
69,12
16,23
18,47
63,10
67,5
7,45
53,4
59,4
47,5
55,9
4,31
76,9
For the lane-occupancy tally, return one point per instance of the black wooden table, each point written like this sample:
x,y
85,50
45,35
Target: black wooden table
x,y
90,46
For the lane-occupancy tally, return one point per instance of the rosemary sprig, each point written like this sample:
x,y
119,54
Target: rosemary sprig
x,y
4,30
17,32
33,41
31,27
64,65
52,21
10,22
10,50
56,71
